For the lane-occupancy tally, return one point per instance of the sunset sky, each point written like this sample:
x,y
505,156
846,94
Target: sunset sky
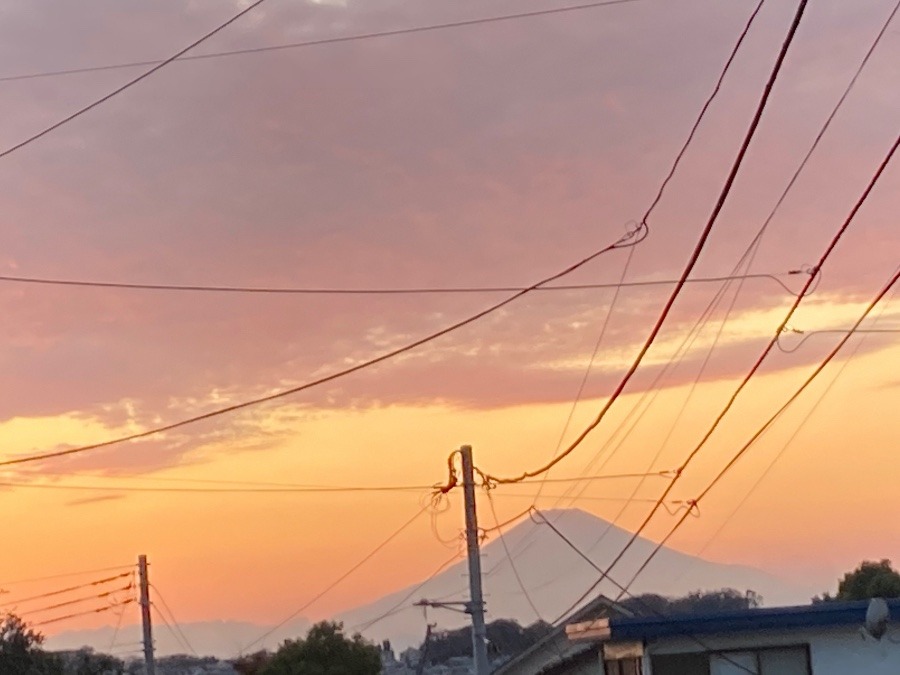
x,y
493,154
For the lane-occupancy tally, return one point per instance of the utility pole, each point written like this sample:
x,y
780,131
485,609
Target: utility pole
x,y
149,660
475,606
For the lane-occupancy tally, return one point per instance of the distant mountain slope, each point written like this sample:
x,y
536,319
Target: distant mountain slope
x,y
223,639
555,576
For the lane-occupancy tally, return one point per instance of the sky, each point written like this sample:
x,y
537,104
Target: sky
x,y
484,155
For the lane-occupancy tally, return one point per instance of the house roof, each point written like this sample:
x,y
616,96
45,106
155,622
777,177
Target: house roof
x,y
598,607
820,615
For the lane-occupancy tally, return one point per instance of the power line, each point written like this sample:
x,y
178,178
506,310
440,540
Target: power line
x,y
840,331
759,361
631,238
692,261
499,529
118,90
680,155
623,590
803,422
324,41
76,601
65,575
401,604
63,591
286,489
80,614
190,490
396,533
587,371
176,635
174,620
762,429
422,290
175,623
754,245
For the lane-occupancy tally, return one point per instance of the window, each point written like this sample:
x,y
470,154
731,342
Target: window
x,y
775,661
631,666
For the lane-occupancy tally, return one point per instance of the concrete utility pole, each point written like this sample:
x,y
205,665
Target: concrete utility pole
x,y
475,606
149,660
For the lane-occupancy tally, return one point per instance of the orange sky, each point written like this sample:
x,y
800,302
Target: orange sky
x,y
468,157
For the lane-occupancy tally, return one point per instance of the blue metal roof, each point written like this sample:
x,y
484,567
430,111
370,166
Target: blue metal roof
x,y
823,614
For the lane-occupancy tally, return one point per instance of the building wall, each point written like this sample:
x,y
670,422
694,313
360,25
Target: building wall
x,y
832,651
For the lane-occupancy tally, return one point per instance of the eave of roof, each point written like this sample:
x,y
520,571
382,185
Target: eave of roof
x,y
826,614
601,602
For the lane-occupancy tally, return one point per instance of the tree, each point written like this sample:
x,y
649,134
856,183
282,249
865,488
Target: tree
x,y
252,664
88,662
869,580
504,636
325,651
698,602
20,650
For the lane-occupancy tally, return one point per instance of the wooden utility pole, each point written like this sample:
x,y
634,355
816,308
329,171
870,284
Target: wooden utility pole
x,y
149,660
475,606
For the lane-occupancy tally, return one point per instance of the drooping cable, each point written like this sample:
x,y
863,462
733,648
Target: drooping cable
x,y
763,428
631,238
789,442
797,172
692,261
775,277
766,350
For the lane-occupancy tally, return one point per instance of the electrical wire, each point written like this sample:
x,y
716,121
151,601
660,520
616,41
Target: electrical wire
x,y
422,290
766,351
498,527
63,591
174,629
757,240
811,333
325,41
175,622
66,574
631,238
786,445
76,601
115,635
623,590
396,533
195,490
401,604
587,371
118,90
746,259
692,261
80,614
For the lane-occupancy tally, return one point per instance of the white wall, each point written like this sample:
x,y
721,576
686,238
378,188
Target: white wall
x,y
832,652
846,652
